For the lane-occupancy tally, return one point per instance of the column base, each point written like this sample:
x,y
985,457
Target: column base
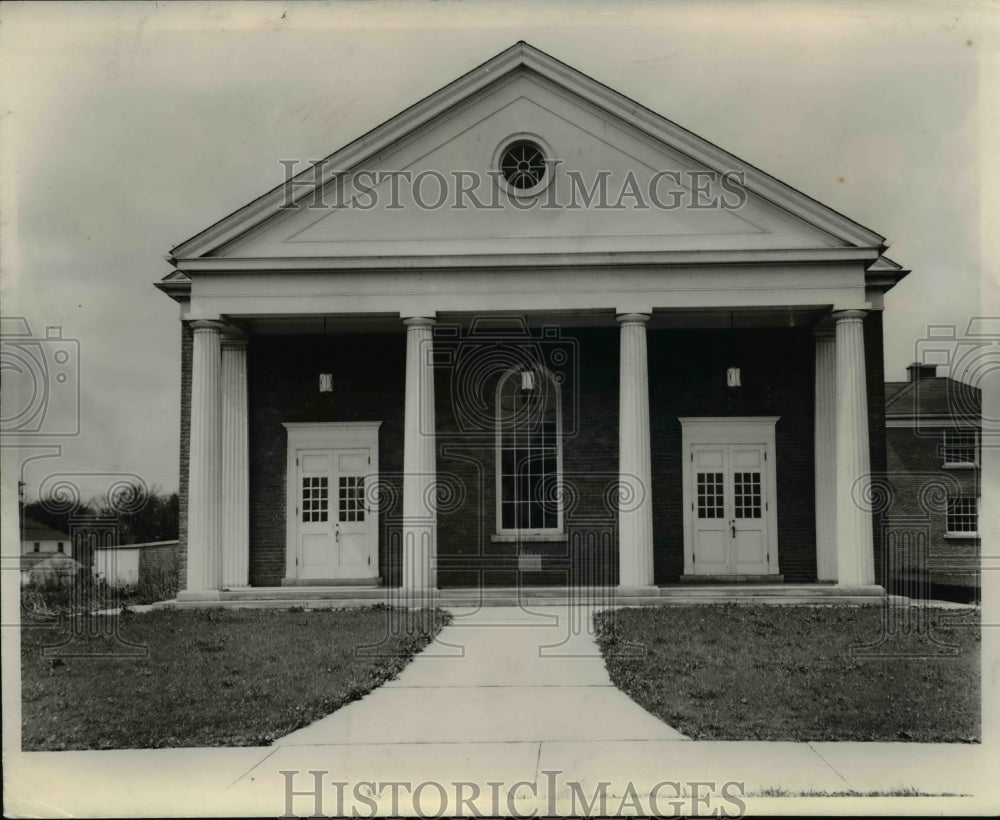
x,y
199,595
636,592
873,590
413,598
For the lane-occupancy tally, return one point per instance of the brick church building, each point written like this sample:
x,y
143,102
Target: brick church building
x,y
529,333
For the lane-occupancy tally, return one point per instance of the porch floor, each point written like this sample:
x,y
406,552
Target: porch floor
x,y
327,597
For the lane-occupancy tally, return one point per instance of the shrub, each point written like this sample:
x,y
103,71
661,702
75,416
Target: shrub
x,y
51,596
156,583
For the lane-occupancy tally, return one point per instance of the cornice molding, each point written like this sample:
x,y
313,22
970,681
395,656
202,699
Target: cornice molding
x,y
325,264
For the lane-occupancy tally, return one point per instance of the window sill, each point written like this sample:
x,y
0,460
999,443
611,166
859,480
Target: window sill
x,y
524,537
952,536
960,465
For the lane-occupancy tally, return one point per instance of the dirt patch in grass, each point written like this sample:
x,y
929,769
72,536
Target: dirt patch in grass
x,y
728,672
210,678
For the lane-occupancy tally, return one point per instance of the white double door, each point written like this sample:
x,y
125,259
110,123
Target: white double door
x,y
730,502
334,532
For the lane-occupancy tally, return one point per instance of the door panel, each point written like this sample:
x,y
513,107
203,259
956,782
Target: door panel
x,y
315,462
749,525
335,534
352,525
713,552
750,553
315,555
711,540
315,525
728,510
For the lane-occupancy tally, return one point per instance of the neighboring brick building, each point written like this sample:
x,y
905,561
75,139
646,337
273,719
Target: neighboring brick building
x,y
931,522
524,385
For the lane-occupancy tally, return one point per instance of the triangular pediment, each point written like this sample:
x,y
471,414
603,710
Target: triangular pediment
x,y
620,180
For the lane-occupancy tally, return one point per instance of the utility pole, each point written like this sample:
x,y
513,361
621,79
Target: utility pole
x,y
20,514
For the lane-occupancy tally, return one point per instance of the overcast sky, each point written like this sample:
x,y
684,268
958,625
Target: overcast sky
x,y
127,128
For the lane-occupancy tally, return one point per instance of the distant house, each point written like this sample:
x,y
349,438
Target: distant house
x,y
38,537
40,542
933,440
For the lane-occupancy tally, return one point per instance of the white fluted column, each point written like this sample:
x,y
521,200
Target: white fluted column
x,y
204,464
419,470
855,546
825,453
235,466
635,506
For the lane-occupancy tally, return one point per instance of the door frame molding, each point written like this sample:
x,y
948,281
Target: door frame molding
x,y
729,430
327,435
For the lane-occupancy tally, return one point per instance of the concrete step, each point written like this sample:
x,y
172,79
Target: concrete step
x,y
769,590
297,593
463,602
316,597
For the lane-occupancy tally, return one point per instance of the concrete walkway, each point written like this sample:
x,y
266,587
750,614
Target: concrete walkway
x,y
512,696
512,712
497,674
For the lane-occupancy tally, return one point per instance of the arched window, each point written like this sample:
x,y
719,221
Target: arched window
x,y
529,452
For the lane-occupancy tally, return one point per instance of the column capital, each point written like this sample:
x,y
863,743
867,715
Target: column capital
x,y
419,321
208,324
825,334
632,318
231,341
848,315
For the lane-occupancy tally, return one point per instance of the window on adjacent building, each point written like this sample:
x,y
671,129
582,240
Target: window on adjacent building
x,y
963,516
961,448
38,546
529,452
60,546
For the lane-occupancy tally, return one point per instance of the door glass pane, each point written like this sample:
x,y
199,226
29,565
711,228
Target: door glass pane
x,y
315,500
351,498
746,491
710,502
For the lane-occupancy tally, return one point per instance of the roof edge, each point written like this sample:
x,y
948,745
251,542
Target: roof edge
x,y
522,55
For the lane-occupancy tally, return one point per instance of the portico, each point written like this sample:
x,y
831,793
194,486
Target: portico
x,y
496,397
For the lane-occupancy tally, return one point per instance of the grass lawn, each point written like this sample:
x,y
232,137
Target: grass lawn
x,y
211,677
729,672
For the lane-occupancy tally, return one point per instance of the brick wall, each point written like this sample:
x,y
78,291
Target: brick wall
x,y
687,377
283,388
585,362
158,561
283,384
875,377
187,350
913,539
687,373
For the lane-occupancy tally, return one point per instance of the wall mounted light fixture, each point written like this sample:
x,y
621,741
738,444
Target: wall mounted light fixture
x,y
733,373
325,382
527,380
